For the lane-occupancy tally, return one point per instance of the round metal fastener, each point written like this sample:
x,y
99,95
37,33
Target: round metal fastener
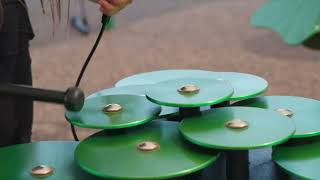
x,y
148,146
112,108
237,124
189,88
41,170
284,112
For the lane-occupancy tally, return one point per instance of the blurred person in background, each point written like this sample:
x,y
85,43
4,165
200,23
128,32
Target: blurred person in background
x,y
16,113
80,23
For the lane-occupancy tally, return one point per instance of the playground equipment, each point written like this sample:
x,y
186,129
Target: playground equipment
x,y
179,124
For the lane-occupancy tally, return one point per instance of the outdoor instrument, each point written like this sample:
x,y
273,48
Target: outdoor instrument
x,y
297,23
180,124
236,129
208,135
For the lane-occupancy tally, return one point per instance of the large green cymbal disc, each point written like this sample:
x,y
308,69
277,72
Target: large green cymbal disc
x,y
134,90
301,160
264,128
136,110
304,112
18,161
245,85
118,155
294,21
209,92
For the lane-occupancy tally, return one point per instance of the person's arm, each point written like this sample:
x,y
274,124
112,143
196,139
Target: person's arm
x,y
111,7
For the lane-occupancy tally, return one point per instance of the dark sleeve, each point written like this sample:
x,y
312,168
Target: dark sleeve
x,y
16,30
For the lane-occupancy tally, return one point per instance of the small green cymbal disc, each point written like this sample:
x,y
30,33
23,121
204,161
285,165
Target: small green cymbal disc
x,y
18,161
189,92
153,151
125,90
134,90
237,128
301,160
114,112
303,111
245,85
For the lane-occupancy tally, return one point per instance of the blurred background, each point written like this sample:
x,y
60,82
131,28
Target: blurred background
x,y
162,34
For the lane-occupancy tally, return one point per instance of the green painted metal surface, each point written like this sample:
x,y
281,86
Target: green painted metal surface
x,y
306,114
300,160
266,128
136,110
111,25
115,155
294,20
211,92
245,85
17,161
134,90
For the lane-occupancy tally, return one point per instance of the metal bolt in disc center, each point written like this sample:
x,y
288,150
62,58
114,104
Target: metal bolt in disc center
x,y
189,88
285,112
112,108
41,170
237,124
148,146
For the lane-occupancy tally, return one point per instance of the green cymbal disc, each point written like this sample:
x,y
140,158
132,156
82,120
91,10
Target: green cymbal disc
x,y
294,21
303,111
237,128
153,151
134,90
245,85
135,110
301,160
18,161
207,92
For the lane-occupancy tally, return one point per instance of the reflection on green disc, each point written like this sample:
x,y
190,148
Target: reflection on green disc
x,y
134,90
305,112
301,160
245,85
210,92
265,128
118,156
136,110
17,161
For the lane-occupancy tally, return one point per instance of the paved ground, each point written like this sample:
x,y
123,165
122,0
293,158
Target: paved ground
x,y
162,34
